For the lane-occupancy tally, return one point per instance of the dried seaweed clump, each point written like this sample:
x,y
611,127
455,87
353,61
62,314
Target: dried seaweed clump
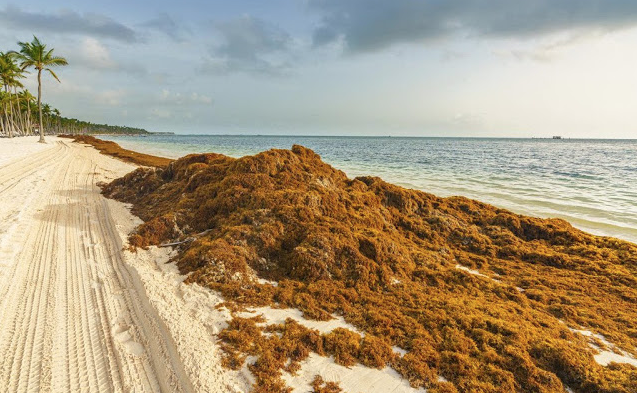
x,y
283,347
320,386
386,258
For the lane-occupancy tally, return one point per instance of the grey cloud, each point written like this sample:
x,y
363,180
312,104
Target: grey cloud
x,y
67,22
369,25
132,69
250,45
128,68
92,54
163,23
545,52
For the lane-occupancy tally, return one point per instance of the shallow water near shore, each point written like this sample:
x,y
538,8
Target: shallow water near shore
x,y
590,183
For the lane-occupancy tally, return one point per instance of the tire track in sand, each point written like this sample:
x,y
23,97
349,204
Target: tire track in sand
x,y
73,316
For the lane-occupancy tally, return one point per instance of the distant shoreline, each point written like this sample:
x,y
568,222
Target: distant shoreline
x,y
132,134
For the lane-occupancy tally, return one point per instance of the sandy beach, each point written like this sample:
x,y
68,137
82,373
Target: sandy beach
x,y
76,315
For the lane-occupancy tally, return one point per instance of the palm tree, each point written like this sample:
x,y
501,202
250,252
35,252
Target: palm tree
x,y
9,75
9,72
34,54
26,102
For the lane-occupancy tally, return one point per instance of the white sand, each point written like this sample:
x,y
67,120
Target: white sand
x,y
471,271
15,148
278,316
604,357
477,273
355,379
75,315
188,312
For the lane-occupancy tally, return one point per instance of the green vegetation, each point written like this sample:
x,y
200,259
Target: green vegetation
x,y
386,259
74,127
35,55
21,112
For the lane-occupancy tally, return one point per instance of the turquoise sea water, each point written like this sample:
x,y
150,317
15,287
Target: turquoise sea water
x,y
590,183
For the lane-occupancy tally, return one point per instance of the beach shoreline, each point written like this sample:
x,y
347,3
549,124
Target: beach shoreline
x,y
125,300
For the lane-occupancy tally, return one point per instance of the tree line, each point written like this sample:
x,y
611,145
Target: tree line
x,y
22,113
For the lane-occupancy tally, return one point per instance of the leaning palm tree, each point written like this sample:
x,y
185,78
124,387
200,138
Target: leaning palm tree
x,y
34,54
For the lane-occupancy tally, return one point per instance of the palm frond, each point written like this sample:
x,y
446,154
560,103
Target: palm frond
x,y
36,42
55,76
57,61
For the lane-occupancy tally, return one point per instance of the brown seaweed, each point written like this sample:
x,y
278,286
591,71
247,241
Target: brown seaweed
x,y
384,257
113,149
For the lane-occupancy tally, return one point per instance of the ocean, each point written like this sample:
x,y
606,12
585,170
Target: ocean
x,y
590,183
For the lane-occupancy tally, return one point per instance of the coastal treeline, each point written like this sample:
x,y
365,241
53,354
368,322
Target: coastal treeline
x,y
58,124
23,113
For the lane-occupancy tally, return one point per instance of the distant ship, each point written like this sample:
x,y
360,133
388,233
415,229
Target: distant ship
x,y
557,137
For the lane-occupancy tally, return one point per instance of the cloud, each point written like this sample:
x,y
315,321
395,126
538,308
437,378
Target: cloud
x,y
249,45
370,25
194,97
160,113
94,55
111,97
67,22
163,23
68,86
467,119
547,49
167,97
539,55
451,55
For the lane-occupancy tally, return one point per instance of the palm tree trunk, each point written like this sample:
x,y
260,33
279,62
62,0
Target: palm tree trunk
x,y
28,118
40,106
23,120
12,114
8,121
2,127
20,121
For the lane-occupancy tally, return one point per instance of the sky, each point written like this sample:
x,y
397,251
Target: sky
x,y
499,68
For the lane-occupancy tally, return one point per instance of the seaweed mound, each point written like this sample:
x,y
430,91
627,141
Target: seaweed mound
x,y
483,297
113,149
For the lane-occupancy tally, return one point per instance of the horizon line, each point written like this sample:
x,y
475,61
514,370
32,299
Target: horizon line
x,y
370,136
